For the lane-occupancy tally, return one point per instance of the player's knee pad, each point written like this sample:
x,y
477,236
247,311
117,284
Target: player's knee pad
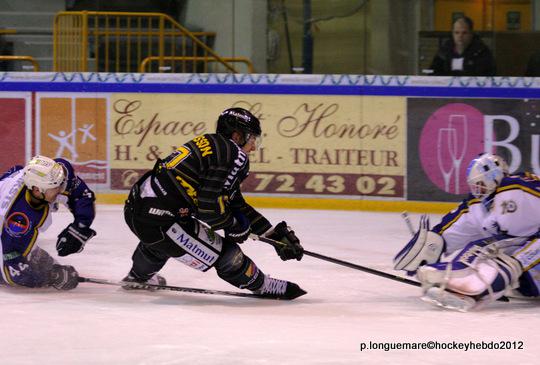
x,y
231,259
40,260
238,269
476,272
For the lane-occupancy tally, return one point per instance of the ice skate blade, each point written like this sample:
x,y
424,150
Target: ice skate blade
x,y
452,301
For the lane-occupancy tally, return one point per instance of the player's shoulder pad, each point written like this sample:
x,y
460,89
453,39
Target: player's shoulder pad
x,y
71,178
523,181
11,171
67,166
469,200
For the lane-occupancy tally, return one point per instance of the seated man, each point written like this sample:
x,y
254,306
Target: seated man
x,y
28,195
489,242
465,54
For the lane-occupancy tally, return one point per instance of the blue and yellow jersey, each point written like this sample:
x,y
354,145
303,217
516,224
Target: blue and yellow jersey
x,y
21,220
19,233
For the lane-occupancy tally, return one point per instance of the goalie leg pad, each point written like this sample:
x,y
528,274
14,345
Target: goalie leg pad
x,y
477,272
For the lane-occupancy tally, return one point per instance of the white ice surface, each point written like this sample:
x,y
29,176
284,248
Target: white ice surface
x,y
98,324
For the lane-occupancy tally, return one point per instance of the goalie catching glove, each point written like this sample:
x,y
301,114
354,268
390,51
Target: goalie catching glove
x,y
425,247
290,247
73,238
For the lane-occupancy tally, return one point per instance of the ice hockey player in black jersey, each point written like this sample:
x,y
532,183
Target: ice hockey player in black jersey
x,y
200,182
28,194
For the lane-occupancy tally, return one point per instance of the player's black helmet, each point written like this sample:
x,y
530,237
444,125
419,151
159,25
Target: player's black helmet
x,y
239,120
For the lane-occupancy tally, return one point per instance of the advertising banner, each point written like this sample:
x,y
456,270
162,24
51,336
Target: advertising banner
x,y
444,135
331,145
16,131
74,126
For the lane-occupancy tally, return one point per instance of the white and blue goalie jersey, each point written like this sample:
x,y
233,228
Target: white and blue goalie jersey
x,y
513,210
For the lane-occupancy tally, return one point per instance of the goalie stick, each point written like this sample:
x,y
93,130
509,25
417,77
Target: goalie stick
x,y
407,220
176,288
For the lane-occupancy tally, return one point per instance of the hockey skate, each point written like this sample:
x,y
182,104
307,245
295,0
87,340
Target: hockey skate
x,y
138,284
449,300
279,289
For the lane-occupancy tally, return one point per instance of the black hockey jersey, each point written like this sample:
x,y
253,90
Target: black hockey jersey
x,y
206,173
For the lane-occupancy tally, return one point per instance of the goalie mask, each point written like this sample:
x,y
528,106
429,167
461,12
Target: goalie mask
x,y
242,121
485,174
44,173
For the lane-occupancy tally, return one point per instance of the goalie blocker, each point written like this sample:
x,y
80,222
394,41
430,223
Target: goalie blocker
x,y
426,247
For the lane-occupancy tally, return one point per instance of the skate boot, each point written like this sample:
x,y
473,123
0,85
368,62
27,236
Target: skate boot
x,y
279,289
139,284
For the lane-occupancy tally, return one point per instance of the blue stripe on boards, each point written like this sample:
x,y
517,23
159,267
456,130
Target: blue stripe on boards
x,y
275,89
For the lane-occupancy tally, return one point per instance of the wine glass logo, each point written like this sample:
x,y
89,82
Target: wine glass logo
x,y
458,122
451,147
446,138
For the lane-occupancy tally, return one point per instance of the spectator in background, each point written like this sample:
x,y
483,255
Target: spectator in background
x,y
464,54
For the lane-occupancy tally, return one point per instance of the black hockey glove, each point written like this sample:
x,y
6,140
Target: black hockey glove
x,y
73,238
63,277
291,248
240,230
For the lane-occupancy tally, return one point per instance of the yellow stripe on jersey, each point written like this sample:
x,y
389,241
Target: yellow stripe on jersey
x,y
449,224
190,190
35,234
7,275
221,202
524,249
466,210
519,187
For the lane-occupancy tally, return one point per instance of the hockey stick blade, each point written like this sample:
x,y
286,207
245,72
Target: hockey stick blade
x,y
177,288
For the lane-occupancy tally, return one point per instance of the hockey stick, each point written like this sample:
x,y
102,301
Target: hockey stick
x,y
175,288
407,220
354,266
341,262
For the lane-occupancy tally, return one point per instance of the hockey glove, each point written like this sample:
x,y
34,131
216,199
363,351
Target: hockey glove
x,y
73,238
63,277
240,229
425,247
291,247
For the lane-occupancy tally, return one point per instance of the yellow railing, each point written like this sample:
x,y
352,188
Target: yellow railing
x,y
30,59
7,31
170,64
119,42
